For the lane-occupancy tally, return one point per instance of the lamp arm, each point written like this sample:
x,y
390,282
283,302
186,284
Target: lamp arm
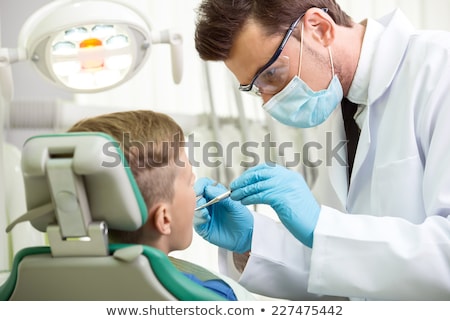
x,y
175,40
6,83
9,56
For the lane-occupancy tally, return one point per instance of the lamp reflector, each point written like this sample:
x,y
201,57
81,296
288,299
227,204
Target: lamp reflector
x,y
87,46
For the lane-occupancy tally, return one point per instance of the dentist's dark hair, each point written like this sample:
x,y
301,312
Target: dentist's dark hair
x,y
219,21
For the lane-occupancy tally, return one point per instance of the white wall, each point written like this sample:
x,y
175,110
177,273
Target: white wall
x,y
422,13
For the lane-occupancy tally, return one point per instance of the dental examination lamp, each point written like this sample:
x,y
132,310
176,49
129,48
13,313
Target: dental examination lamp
x,y
88,46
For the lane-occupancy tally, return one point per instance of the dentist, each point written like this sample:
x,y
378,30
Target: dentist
x,y
388,235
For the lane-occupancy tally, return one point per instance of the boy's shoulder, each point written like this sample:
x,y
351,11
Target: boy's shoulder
x,y
204,274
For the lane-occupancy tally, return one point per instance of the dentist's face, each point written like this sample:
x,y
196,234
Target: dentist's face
x,y
252,49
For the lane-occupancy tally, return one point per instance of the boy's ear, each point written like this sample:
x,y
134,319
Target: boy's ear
x,y
161,218
320,26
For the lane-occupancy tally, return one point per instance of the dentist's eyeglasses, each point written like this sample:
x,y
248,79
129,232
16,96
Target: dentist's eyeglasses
x,y
273,76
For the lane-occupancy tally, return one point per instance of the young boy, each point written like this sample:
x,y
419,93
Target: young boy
x,y
153,145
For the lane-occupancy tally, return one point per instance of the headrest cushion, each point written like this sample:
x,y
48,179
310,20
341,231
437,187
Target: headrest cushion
x,y
112,193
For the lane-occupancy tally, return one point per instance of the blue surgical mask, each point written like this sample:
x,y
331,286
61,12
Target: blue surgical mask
x,y
297,105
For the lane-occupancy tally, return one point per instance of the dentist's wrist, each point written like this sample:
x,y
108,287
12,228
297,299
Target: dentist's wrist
x,y
240,260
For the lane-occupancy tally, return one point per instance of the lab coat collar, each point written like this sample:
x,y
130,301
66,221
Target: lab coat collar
x,y
389,52
388,34
358,92
359,89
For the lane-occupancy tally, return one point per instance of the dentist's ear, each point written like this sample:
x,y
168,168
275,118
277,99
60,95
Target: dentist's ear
x,y
319,26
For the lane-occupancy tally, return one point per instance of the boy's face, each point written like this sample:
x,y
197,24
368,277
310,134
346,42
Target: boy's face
x,y
183,204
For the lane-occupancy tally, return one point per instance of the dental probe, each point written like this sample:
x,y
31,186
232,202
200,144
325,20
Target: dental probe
x,y
214,200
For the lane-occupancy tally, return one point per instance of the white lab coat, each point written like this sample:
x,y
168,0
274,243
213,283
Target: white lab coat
x,y
395,244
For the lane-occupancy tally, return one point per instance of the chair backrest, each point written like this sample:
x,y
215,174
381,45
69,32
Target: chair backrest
x,y
77,186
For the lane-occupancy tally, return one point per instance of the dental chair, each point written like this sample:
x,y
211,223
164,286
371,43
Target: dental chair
x,y
77,186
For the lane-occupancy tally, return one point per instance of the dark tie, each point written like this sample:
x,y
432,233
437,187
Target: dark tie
x,y
351,131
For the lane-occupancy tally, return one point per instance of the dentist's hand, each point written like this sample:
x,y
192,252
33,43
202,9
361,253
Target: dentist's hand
x,y
227,224
286,192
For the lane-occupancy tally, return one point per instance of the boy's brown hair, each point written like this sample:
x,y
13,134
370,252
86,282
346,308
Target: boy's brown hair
x,y
151,143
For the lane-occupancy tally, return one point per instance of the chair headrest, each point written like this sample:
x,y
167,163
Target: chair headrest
x,y
86,170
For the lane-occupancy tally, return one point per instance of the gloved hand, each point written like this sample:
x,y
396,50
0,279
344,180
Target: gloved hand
x,y
227,224
286,192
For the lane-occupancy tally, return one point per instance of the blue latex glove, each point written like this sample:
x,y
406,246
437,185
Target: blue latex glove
x,y
286,192
227,224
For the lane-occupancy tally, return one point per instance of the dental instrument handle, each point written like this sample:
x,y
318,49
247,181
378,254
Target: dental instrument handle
x,y
214,200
